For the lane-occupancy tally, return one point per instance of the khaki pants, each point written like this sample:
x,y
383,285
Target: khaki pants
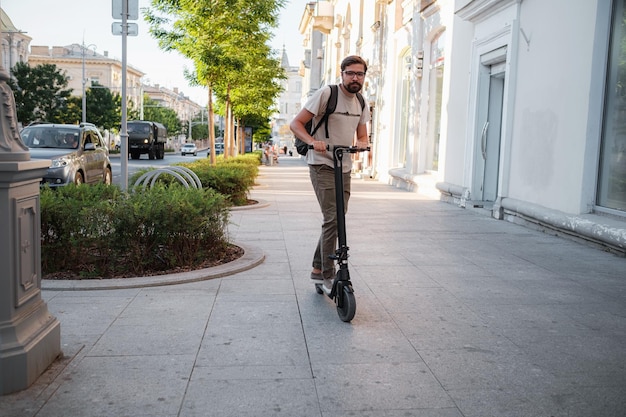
x,y
323,180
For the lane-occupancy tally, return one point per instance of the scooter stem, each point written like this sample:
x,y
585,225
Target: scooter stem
x,y
339,201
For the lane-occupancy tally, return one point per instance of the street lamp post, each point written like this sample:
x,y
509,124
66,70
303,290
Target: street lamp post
x,y
84,118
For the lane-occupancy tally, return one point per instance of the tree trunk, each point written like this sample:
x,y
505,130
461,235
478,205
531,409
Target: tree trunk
x,y
213,159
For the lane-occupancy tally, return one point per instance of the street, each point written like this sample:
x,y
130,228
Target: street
x,y
135,165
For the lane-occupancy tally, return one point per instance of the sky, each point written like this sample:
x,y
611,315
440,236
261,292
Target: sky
x,y
64,22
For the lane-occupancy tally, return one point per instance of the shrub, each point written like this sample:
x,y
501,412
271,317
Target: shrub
x,y
72,220
253,158
100,231
233,179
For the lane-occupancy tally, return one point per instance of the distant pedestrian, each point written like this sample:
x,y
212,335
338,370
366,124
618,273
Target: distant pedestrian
x,y
266,154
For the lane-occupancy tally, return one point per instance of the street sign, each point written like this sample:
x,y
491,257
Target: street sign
x,y
133,9
133,29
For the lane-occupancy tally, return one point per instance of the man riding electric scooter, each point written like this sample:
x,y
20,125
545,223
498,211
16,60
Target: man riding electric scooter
x,y
349,115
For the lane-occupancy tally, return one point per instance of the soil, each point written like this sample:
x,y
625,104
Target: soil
x,y
231,253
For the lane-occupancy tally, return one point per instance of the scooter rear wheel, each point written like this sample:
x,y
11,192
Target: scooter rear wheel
x,y
348,305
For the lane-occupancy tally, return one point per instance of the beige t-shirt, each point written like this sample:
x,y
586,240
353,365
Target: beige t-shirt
x,y
342,124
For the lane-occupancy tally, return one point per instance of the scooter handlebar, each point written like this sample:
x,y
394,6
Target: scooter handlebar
x,y
349,149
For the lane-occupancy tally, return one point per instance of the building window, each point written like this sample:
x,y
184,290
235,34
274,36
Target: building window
x,y
612,180
435,92
404,105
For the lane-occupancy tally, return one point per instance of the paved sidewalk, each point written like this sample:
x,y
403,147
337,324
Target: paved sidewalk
x,y
458,315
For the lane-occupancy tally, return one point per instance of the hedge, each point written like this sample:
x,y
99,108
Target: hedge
x,y
100,231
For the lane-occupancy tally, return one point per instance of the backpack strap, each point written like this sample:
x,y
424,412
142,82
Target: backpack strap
x,y
331,105
361,100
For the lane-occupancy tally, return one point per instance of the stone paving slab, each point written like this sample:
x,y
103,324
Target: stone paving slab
x,y
458,315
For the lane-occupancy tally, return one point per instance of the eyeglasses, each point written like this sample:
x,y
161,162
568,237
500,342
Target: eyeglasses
x,y
351,74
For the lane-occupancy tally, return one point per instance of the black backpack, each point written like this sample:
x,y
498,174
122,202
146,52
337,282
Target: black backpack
x,y
302,147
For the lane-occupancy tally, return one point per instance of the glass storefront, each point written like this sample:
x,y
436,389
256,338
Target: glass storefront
x,y
435,92
612,180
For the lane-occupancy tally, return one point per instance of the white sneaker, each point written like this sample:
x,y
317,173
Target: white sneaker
x,y
328,284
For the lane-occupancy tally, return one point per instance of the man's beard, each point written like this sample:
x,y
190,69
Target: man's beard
x,y
353,86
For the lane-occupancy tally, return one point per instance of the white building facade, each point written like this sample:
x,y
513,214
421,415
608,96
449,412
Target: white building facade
x,y
513,106
288,104
186,109
13,41
98,69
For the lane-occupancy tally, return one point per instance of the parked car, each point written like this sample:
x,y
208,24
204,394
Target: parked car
x,y
189,148
78,153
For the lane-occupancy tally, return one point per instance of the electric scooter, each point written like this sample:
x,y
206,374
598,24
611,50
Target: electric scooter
x,y
341,292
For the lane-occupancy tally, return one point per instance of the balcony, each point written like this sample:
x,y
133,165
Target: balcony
x,y
324,17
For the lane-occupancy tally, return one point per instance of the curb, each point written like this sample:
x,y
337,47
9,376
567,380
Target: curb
x,y
252,257
260,204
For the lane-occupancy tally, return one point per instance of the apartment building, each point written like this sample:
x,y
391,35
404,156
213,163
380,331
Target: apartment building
x,y
77,60
185,108
512,107
85,66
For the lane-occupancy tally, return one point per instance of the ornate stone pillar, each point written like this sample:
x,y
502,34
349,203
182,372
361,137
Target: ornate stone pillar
x,y
30,337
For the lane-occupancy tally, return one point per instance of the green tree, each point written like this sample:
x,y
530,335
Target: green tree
x,y
199,128
262,133
132,111
253,100
222,45
154,112
41,93
73,112
102,107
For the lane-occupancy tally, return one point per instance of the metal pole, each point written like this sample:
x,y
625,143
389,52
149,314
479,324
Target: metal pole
x,y
141,101
84,101
190,138
124,132
84,114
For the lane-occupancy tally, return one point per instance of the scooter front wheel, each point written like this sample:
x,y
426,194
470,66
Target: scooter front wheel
x,y
346,306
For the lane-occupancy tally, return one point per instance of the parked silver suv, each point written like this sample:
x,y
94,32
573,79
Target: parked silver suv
x,y
78,153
